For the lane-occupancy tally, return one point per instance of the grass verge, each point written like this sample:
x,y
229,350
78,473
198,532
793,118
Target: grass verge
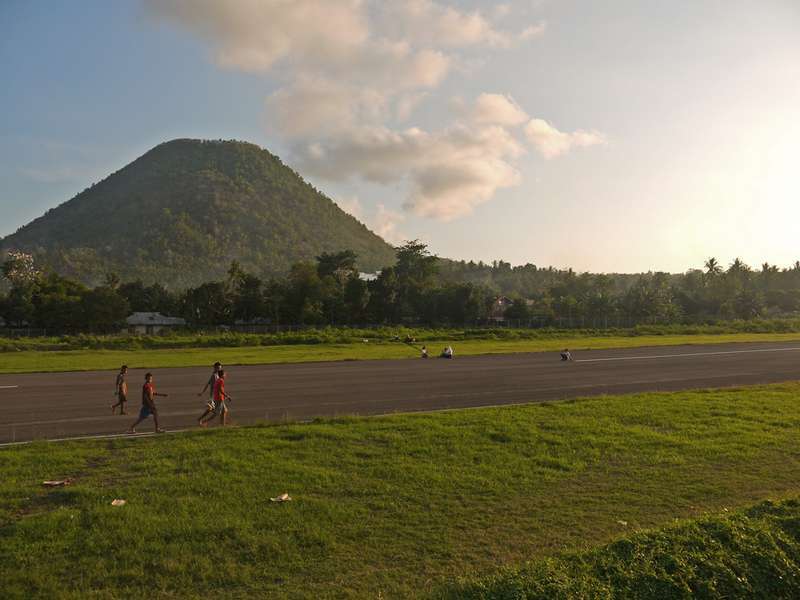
x,y
753,553
392,506
98,359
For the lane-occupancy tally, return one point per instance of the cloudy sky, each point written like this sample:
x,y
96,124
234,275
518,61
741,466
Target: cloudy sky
x,y
607,136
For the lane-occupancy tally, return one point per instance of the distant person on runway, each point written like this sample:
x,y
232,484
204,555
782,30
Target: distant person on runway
x,y
447,352
566,354
220,402
210,384
121,391
148,404
424,352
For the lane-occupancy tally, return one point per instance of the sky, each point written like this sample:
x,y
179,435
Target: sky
x,y
616,136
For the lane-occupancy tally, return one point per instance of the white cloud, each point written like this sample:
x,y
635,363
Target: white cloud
x,y
533,31
550,142
312,107
408,103
382,220
429,23
351,206
385,222
498,109
255,35
347,68
500,11
449,172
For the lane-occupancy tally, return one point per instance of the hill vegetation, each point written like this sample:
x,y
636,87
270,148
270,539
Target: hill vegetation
x,y
182,212
754,553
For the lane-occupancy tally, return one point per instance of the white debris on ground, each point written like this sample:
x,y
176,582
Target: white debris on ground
x,y
282,498
57,482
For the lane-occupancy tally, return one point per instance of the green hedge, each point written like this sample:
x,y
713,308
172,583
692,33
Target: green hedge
x,y
749,554
343,335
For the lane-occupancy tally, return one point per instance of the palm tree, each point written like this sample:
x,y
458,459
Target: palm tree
x,y
713,267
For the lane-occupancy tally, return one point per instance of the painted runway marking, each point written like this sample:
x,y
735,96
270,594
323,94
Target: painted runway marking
x,y
8,387
108,436
686,354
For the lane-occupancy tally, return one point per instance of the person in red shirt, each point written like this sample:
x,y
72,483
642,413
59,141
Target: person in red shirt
x,y
148,404
220,401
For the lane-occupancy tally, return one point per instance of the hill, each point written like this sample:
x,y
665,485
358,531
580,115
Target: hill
x,y
183,211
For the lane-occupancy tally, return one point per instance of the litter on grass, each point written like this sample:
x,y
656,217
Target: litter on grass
x,y
282,498
118,502
57,482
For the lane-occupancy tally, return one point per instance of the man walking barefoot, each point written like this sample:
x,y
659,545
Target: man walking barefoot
x,y
148,404
211,384
121,391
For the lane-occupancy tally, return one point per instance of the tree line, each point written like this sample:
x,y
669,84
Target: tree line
x,y
418,289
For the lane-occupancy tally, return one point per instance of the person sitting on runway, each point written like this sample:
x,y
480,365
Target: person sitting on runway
x,y
566,354
447,352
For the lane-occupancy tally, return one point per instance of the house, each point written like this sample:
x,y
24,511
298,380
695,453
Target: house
x,y
499,306
369,276
152,322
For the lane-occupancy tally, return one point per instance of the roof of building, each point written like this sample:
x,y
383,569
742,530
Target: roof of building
x,y
153,318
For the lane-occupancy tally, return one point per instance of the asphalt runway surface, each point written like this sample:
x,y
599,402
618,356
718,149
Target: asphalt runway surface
x,y
66,405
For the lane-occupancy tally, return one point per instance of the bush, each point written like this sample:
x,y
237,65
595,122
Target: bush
x,y
751,554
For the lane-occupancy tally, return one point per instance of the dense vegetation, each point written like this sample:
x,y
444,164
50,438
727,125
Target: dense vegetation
x,y
396,507
754,553
416,290
183,211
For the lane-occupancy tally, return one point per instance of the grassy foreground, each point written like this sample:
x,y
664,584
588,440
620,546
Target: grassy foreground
x,y
383,507
95,359
753,553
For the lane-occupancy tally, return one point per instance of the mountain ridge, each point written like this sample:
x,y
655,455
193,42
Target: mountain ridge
x,y
181,212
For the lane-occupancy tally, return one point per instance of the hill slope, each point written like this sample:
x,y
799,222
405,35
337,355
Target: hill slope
x,y
180,213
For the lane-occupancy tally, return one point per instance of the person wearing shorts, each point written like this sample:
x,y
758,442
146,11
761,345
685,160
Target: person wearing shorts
x,y
148,404
121,391
210,385
220,402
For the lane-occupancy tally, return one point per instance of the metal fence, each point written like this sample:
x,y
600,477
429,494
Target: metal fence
x,y
536,322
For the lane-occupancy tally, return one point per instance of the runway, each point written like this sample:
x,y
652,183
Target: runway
x,y
66,405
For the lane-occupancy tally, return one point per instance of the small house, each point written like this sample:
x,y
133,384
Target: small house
x,y
152,323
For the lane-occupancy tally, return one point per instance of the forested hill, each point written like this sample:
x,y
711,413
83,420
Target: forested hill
x,y
182,212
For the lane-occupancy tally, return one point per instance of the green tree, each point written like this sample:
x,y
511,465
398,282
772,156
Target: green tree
x,y
103,310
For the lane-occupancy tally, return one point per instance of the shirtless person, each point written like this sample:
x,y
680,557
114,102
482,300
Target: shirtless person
x,y
210,385
148,404
121,391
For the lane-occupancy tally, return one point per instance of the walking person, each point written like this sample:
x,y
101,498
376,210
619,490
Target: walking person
x,y
210,385
121,391
148,404
220,402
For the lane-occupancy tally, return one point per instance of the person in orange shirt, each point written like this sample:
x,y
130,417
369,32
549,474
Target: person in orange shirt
x,y
221,399
148,404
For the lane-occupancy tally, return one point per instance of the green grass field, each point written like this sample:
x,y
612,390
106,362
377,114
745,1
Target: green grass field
x,y
91,360
388,507
753,553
